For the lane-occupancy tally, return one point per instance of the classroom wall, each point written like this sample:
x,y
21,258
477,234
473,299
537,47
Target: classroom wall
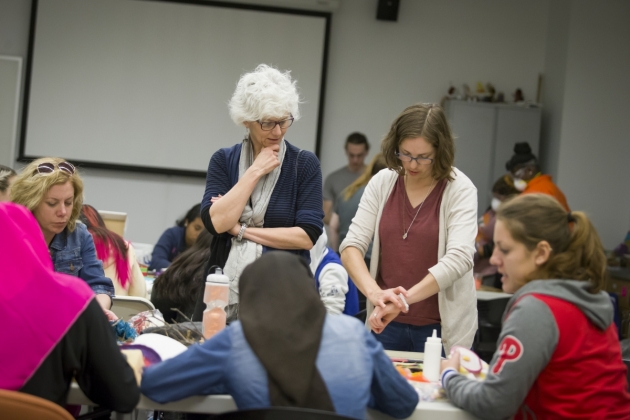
x,y
594,140
377,68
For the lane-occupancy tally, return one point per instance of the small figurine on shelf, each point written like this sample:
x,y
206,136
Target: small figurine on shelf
x,y
518,96
468,96
489,97
451,94
500,98
480,89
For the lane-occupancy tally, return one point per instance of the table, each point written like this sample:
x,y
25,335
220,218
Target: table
x,y
214,404
484,295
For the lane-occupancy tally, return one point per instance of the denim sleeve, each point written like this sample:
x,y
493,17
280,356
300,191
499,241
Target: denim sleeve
x,y
200,370
92,270
161,250
309,196
390,392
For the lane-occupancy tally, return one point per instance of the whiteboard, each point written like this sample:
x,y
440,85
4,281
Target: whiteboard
x,y
144,85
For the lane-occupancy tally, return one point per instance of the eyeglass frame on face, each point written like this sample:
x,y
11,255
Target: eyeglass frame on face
x,y
419,160
291,119
46,168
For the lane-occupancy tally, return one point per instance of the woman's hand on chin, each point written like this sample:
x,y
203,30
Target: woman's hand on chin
x,y
267,160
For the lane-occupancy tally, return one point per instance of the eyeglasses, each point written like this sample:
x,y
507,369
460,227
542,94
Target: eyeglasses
x,y
270,125
419,160
48,168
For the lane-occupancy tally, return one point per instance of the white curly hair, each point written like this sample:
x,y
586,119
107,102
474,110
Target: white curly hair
x,y
264,93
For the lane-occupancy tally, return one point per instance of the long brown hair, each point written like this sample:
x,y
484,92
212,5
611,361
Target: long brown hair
x,y
429,122
377,163
577,252
184,279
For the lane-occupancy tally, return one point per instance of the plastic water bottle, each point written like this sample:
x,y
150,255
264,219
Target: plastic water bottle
x,y
215,297
432,358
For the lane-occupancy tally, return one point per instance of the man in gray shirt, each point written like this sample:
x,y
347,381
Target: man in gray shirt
x,y
357,148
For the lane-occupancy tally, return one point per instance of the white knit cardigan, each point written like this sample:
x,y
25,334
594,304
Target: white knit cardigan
x,y
457,298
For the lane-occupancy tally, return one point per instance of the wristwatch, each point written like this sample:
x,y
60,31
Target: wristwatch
x,y
241,232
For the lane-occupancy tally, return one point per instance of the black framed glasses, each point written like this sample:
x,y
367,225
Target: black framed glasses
x,y
270,125
48,168
419,160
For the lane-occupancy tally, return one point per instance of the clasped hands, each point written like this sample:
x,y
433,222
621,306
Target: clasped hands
x,y
387,306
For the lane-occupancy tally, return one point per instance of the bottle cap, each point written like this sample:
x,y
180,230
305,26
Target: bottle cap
x,y
218,277
434,338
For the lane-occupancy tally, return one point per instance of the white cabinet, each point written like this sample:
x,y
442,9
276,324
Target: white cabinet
x,y
485,135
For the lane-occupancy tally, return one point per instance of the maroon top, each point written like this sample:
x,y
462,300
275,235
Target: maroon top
x,y
405,262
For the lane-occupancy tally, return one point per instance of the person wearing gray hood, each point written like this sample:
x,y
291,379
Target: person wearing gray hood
x,y
558,354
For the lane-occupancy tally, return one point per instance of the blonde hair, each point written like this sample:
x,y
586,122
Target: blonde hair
x,y
30,187
577,252
429,122
377,164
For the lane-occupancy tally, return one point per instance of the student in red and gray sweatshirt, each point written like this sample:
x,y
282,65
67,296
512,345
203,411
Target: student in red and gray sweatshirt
x,y
558,354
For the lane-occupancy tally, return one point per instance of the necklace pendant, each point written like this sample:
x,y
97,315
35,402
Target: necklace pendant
x,y
405,235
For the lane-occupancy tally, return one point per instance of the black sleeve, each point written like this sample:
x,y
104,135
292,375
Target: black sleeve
x,y
207,221
313,232
104,375
88,352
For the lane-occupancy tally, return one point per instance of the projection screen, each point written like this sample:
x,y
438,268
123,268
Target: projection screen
x,y
144,85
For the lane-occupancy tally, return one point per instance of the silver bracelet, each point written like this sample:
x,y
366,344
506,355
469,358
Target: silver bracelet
x,y
241,232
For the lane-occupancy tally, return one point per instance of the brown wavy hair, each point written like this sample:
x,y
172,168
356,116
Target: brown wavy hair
x,y
30,187
377,163
429,122
577,252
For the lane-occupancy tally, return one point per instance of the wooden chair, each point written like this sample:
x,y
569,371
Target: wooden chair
x,y
20,406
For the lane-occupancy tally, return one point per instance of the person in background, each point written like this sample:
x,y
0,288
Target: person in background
x,y
357,149
502,189
177,239
116,254
346,207
7,176
262,194
421,213
52,190
179,286
286,351
558,354
54,329
528,177
336,290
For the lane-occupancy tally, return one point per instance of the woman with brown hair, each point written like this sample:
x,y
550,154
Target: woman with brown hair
x,y
559,354
179,286
422,215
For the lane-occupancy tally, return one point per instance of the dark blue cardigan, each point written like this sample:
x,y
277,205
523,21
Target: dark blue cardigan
x,y
295,201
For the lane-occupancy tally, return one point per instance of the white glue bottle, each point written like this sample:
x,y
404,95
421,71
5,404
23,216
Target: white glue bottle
x,y
432,358
215,297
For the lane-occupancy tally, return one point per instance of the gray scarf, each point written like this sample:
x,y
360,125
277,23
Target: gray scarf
x,y
246,252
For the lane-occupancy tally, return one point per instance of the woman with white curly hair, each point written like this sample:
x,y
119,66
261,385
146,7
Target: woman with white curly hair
x,y
263,193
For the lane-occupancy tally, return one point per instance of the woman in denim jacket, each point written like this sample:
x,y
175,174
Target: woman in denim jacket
x,y
52,190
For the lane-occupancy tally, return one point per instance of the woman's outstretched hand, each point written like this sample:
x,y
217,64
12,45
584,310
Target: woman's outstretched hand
x,y
380,298
381,317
